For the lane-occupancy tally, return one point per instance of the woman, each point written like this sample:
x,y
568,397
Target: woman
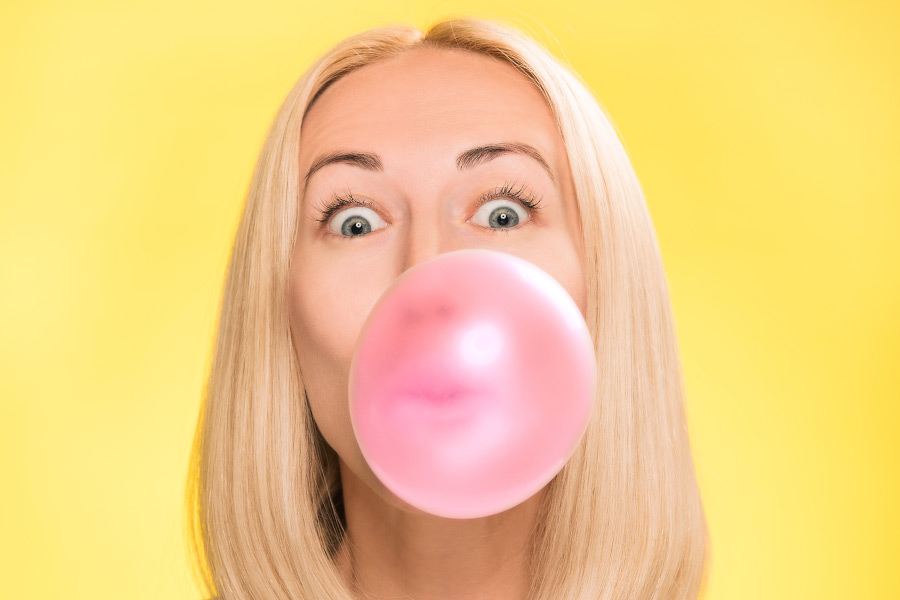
x,y
396,146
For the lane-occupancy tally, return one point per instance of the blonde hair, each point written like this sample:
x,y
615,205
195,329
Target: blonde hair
x,y
623,519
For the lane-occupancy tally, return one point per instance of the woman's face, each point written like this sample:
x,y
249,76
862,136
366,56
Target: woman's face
x,y
414,116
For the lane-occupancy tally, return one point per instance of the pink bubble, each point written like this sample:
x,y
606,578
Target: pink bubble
x,y
471,383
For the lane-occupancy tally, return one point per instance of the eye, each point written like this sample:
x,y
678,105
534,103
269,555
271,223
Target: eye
x,y
500,209
520,204
356,221
500,214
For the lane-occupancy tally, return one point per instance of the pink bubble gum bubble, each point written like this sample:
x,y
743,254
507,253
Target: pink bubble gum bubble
x,y
471,383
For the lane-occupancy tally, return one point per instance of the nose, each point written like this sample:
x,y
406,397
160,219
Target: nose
x,y
424,241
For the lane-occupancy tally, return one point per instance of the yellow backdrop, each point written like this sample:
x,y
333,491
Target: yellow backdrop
x,y
765,135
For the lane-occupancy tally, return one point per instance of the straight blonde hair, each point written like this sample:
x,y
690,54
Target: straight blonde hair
x,y
623,519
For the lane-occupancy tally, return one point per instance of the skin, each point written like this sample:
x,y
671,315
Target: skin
x,y
417,111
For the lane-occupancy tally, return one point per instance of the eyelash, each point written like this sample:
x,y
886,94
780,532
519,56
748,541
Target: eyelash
x,y
507,190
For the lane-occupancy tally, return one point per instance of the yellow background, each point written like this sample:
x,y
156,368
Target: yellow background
x,y
765,135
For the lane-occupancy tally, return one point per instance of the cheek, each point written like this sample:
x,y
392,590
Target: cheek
x,y
327,306
571,268
562,260
321,342
324,313
573,280
578,284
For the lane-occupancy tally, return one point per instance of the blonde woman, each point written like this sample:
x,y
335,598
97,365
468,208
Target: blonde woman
x,y
395,146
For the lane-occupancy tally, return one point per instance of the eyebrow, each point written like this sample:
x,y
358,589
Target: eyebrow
x,y
467,160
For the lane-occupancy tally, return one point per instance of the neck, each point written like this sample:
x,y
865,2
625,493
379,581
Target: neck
x,y
392,551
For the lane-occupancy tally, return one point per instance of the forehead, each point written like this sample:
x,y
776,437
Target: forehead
x,y
430,100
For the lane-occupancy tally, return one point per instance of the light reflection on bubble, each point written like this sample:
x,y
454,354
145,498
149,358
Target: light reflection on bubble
x,y
481,344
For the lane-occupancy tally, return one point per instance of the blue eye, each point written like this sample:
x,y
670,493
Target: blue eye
x,y
363,219
507,217
355,222
500,214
